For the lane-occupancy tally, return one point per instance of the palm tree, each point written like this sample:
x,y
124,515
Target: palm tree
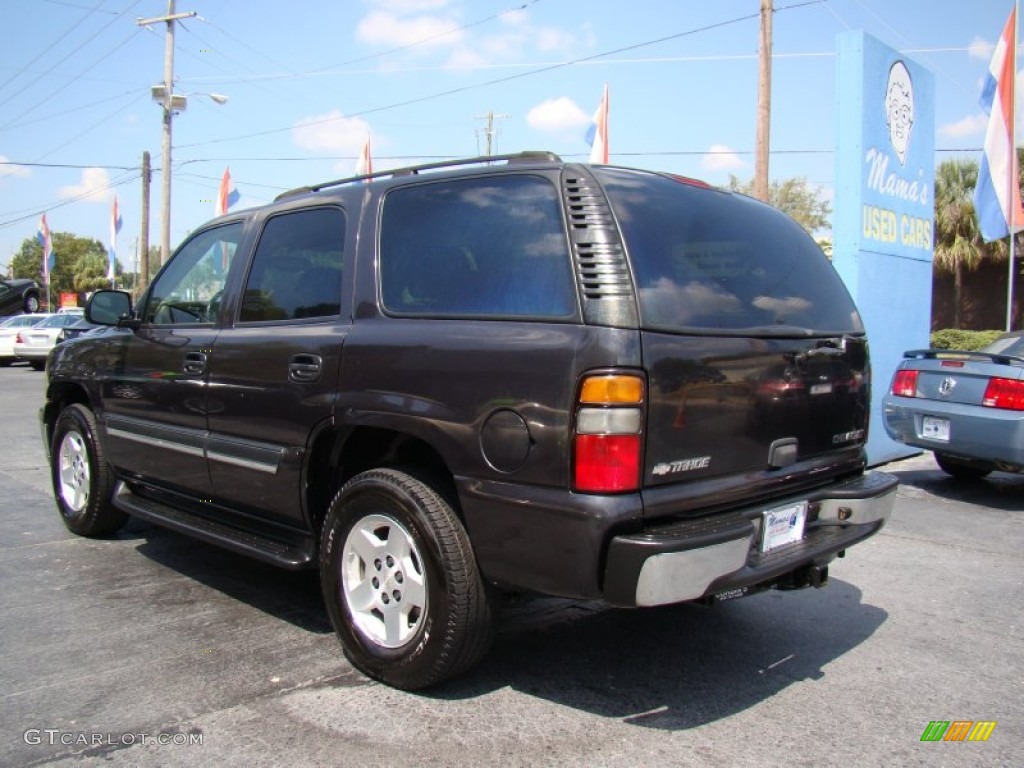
x,y
958,243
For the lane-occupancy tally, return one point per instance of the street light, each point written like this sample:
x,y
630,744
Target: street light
x,y
172,103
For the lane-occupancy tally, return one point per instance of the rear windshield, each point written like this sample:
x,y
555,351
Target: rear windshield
x,y
1008,345
714,261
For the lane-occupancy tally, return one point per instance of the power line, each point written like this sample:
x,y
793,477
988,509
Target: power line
x,y
497,81
52,206
69,110
82,71
47,49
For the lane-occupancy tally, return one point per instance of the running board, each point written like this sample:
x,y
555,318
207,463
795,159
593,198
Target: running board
x,y
291,555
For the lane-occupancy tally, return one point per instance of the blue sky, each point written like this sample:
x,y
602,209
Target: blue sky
x,y
308,80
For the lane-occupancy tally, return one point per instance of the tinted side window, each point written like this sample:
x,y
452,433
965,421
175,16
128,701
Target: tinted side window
x,y
189,288
296,271
483,247
705,259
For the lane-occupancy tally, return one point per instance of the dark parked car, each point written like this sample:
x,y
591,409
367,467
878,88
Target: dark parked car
x,y
76,329
18,295
500,373
966,407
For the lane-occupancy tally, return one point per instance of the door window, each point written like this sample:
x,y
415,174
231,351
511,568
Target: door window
x,y
189,289
296,271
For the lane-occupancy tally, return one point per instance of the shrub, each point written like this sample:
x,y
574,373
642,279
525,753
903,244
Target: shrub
x,y
953,338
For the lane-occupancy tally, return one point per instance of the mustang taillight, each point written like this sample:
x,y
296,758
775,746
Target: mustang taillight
x,y
904,384
1004,393
607,447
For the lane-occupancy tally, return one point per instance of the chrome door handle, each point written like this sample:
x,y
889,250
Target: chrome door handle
x,y
305,369
194,364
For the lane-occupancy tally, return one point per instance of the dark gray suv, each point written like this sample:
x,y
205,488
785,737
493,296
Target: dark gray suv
x,y
502,373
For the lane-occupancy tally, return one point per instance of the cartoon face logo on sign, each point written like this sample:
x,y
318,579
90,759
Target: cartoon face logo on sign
x,y
899,109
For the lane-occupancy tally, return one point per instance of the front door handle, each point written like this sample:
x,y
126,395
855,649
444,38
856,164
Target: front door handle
x,y
304,369
194,364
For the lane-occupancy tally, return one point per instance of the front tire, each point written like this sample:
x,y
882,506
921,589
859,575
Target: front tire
x,y
31,304
401,583
83,482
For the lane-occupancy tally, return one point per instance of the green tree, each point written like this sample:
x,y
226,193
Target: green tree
x,y
794,197
958,244
80,263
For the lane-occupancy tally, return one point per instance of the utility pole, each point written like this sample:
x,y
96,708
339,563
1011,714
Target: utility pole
x,y
168,91
144,233
490,130
764,103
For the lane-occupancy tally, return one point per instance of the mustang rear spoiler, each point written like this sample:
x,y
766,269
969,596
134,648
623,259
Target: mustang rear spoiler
x,y
956,354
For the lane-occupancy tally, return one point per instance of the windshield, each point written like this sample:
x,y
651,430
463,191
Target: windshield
x,y
1008,345
21,321
59,321
710,260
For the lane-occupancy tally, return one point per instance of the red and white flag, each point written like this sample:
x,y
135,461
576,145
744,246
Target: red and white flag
x,y
997,194
227,196
43,236
364,165
597,134
115,226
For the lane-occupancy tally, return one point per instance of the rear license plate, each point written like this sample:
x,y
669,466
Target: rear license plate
x,y
783,525
821,389
935,429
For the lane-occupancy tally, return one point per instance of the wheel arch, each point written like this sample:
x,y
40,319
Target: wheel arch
x,y
58,397
337,455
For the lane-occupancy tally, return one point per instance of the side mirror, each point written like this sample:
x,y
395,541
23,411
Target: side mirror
x,y
108,307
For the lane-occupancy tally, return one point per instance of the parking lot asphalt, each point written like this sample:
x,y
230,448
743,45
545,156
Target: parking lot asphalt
x,y
152,649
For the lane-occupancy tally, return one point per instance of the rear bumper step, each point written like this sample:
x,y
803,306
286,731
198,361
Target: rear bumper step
x,y
696,558
290,555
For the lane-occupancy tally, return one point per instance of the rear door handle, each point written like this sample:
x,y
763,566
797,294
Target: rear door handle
x,y
304,369
195,363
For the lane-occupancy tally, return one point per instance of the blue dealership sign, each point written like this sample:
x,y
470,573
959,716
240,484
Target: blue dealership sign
x,y
883,234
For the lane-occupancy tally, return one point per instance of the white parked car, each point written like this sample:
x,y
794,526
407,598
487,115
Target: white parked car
x,y
9,330
35,342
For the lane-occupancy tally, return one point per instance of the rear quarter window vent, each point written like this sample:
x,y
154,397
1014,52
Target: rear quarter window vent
x,y
599,258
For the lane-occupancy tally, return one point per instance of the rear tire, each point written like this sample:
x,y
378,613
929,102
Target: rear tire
x,y
961,470
401,583
83,482
31,304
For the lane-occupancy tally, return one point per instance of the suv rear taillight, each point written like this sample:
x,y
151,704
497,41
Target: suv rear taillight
x,y
904,384
607,447
1004,393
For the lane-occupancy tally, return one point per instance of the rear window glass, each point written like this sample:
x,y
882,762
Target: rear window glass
x,y
1009,345
705,259
493,246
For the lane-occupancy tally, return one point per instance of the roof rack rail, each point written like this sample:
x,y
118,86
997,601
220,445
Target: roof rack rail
x,y
530,156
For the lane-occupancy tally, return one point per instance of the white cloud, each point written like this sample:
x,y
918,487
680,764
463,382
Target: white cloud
x,y
968,126
94,187
19,171
980,49
465,58
387,29
331,132
557,115
721,158
427,26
